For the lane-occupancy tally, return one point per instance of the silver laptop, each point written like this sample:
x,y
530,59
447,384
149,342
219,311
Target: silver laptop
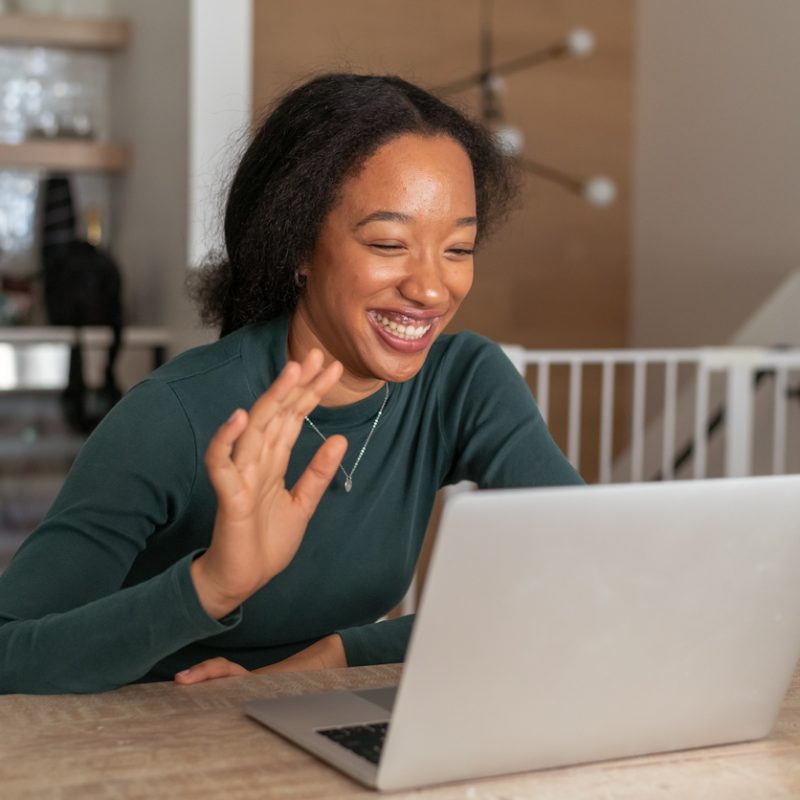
x,y
569,625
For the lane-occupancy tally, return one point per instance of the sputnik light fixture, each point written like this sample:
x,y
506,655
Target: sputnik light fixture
x,y
598,190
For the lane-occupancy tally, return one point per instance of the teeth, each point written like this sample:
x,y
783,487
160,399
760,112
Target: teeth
x,y
409,332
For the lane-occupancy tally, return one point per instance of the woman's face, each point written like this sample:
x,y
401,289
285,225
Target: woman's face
x,y
392,263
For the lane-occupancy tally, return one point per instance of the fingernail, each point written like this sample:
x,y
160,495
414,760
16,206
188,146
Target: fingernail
x,y
231,418
182,673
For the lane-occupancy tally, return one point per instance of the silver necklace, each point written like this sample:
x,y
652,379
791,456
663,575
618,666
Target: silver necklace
x,y
348,476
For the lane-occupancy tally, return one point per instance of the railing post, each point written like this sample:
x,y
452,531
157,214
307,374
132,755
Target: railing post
x,y
543,388
607,422
574,422
739,418
779,426
701,417
670,402
517,356
637,421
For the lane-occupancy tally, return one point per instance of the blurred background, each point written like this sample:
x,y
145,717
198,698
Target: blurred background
x,y
660,194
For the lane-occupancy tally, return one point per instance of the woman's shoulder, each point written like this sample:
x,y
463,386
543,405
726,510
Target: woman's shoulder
x,y
467,368
202,384
202,359
466,349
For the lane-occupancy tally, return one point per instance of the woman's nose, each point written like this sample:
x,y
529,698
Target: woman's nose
x,y
423,282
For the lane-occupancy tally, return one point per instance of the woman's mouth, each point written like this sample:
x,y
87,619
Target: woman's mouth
x,y
402,332
410,331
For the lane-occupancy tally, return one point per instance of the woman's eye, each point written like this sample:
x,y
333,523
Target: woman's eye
x,y
388,246
460,251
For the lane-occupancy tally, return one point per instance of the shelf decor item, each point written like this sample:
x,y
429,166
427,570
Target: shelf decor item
x,y
51,94
54,89
82,286
54,118
18,193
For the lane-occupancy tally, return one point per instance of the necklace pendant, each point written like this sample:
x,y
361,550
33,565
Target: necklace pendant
x,y
348,476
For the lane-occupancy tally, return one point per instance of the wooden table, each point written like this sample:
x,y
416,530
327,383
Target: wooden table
x,y
162,740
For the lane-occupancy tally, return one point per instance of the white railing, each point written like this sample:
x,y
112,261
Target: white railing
x,y
714,381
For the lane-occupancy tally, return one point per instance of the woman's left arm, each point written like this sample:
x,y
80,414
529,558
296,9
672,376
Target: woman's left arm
x,y
378,643
491,427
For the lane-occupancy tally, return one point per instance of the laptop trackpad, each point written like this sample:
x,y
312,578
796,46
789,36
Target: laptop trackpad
x,y
383,697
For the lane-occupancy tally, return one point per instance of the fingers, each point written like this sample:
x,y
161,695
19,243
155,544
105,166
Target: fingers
x,y
221,470
293,380
281,433
311,485
208,670
290,398
268,433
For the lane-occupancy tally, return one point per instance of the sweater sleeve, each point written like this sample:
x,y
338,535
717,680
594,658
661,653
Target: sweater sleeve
x,y
378,643
66,623
489,422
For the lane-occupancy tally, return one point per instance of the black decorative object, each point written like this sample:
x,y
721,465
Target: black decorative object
x,y
82,286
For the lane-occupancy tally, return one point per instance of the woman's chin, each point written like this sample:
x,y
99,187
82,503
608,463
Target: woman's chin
x,y
397,367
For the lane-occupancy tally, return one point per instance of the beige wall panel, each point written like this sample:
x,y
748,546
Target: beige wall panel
x,y
427,42
717,172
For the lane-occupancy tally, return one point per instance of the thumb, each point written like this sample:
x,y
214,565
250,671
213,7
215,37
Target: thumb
x,y
316,478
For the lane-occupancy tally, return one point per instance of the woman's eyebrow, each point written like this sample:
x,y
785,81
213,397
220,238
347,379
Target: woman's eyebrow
x,y
405,219
385,216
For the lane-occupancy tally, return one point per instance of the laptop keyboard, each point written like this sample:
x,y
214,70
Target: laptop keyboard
x,y
365,740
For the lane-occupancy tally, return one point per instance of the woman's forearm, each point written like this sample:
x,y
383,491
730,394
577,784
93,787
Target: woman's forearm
x,y
106,643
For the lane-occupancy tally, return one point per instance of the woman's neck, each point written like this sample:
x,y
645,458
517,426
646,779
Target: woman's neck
x,y
350,388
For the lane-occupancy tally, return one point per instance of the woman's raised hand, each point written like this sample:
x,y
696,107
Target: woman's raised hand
x,y
260,523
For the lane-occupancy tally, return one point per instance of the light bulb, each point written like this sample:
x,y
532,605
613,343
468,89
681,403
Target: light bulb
x,y
496,83
580,42
510,140
600,191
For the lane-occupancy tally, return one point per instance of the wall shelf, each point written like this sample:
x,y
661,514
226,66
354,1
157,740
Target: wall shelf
x,y
88,336
26,30
36,358
65,154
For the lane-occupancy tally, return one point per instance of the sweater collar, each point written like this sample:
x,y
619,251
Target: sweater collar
x,y
264,349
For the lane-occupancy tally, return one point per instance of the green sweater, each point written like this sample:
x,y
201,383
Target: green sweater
x,y
100,595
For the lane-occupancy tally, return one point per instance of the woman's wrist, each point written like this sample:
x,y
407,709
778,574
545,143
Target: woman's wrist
x,y
335,655
215,602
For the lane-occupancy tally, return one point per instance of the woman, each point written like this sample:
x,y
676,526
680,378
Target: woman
x,y
349,233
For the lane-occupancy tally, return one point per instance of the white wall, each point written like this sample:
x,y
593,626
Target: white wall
x,y
182,100
220,111
717,172
150,111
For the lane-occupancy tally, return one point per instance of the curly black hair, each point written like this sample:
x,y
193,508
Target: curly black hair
x,y
311,140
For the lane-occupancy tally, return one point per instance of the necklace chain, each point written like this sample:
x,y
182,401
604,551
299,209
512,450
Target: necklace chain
x,y
348,476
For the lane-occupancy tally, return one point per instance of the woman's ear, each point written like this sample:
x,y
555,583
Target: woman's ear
x,y
300,276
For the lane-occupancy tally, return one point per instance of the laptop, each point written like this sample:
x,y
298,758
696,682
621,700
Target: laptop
x,y
570,625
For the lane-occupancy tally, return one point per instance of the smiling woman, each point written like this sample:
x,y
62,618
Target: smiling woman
x,y
186,545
